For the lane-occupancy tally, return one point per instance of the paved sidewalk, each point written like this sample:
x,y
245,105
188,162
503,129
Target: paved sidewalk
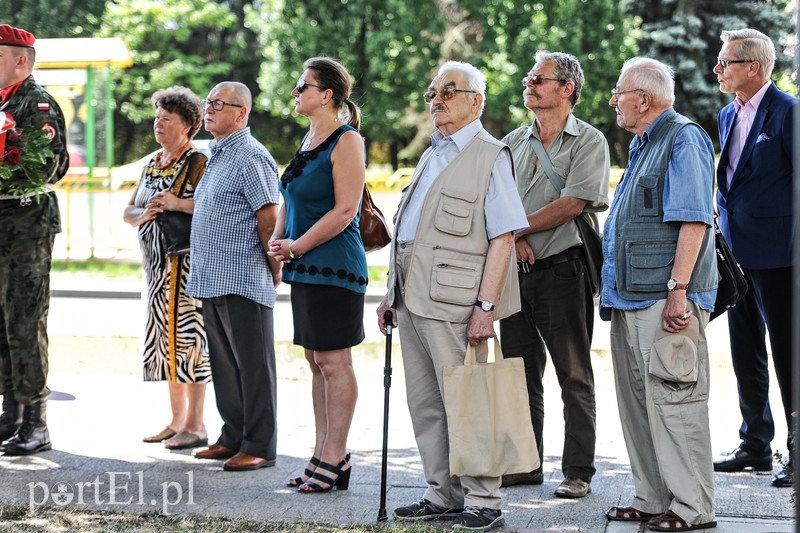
x,y
97,417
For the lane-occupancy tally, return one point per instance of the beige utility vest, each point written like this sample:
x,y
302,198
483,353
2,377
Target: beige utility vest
x,y
450,245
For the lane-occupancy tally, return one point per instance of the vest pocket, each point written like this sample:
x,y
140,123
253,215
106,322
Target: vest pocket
x,y
650,265
454,214
648,197
454,281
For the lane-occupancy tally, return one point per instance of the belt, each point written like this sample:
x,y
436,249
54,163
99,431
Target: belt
x,y
26,199
570,254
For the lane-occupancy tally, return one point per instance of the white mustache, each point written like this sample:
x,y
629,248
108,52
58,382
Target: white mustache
x,y
437,107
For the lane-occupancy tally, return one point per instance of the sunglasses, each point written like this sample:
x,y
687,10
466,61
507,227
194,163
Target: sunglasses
x,y
445,94
530,81
302,84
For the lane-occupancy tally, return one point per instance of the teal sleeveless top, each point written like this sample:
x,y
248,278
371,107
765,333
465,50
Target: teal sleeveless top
x,y
307,190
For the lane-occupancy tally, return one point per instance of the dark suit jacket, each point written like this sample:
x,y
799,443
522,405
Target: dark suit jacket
x,y
756,214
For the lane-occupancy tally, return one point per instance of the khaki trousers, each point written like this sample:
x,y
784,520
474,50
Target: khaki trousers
x,y
428,346
666,428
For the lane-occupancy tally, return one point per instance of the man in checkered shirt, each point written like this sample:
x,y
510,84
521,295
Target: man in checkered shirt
x,y
236,204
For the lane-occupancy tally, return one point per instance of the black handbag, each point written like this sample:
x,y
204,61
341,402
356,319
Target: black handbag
x,y
732,283
592,251
176,226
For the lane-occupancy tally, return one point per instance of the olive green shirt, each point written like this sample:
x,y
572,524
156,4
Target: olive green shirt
x,y
579,154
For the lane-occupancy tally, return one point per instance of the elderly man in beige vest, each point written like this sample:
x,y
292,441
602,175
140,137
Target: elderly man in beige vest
x,y
450,278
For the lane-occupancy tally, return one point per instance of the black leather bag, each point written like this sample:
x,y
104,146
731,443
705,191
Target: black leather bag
x,y
176,226
732,283
592,251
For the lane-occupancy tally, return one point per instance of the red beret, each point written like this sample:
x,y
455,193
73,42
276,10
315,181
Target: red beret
x,y
11,36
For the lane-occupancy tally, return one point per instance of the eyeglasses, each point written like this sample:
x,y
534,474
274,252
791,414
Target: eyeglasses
x,y
445,94
725,62
217,105
616,93
530,81
302,84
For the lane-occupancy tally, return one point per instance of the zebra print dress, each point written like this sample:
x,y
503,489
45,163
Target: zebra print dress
x,y
175,345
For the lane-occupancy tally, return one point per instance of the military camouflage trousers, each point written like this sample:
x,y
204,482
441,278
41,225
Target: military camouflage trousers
x,y
24,302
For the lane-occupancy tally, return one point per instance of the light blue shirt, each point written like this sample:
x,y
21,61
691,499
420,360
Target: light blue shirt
x,y
226,253
687,173
503,209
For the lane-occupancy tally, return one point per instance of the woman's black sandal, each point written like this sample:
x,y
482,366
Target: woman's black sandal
x,y
341,482
297,481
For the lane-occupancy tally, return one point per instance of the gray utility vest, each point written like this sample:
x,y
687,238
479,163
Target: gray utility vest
x,y
645,246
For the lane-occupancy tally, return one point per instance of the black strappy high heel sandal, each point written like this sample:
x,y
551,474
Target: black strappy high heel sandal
x,y
341,482
297,481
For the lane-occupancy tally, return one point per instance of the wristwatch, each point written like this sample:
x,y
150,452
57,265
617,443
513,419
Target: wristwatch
x,y
485,305
673,285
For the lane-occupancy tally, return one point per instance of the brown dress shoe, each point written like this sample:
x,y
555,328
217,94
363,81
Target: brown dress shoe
x,y
243,461
215,451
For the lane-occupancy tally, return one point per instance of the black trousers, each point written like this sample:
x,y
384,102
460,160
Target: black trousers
x,y
766,306
242,355
557,316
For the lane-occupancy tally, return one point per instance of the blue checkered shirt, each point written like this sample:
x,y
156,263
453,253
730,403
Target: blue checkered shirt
x,y
226,254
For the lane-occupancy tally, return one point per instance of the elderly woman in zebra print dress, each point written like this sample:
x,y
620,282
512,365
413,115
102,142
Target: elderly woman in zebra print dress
x,y
175,347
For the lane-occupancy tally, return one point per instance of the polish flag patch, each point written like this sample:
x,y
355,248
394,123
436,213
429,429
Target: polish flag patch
x,y
43,106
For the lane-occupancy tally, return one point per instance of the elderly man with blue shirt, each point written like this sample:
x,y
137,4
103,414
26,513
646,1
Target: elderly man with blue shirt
x,y
451,275
659,285
236,206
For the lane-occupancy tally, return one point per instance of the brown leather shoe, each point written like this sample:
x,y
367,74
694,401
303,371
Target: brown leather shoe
x,y
215,451
243,461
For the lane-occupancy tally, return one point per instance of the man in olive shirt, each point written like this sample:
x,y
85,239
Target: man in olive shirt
x,y
557,307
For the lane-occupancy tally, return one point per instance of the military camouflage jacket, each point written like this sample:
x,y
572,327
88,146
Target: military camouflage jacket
x,y
32,107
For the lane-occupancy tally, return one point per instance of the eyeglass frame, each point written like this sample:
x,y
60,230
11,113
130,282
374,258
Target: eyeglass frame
x,y
536,80
450,90
222,103
724,63
616,93
302,84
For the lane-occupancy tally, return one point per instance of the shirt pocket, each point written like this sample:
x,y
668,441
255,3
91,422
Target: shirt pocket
x,y
454,279
455,211
650,265
647,197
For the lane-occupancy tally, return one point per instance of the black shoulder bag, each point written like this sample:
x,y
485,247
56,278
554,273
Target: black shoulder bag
x,y
732,283
176,226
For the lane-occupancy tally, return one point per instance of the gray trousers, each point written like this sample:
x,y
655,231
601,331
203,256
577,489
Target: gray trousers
x,y
429,346
666,427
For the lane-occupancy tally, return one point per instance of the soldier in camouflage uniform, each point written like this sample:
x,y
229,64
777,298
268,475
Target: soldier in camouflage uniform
x,y
28,224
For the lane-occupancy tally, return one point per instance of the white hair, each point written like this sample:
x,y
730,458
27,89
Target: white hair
x,y
476,80
653,77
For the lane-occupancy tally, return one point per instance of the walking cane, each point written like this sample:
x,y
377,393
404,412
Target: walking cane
x,y
387,383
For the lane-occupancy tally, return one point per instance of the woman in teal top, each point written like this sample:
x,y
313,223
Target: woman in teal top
x,y
317,238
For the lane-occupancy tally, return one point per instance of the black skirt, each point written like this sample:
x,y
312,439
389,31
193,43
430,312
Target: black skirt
x,y
327,318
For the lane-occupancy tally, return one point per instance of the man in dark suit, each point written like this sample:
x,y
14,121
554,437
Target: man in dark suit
x,y
754,197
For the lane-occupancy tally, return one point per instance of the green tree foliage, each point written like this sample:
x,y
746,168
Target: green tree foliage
x,y
685,34
195,44
55,18
390,48
502,36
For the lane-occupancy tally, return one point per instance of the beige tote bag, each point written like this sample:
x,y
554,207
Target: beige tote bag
x,y
488,417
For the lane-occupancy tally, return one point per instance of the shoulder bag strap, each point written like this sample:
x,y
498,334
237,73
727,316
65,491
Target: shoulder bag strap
x,y
182,174
557,181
